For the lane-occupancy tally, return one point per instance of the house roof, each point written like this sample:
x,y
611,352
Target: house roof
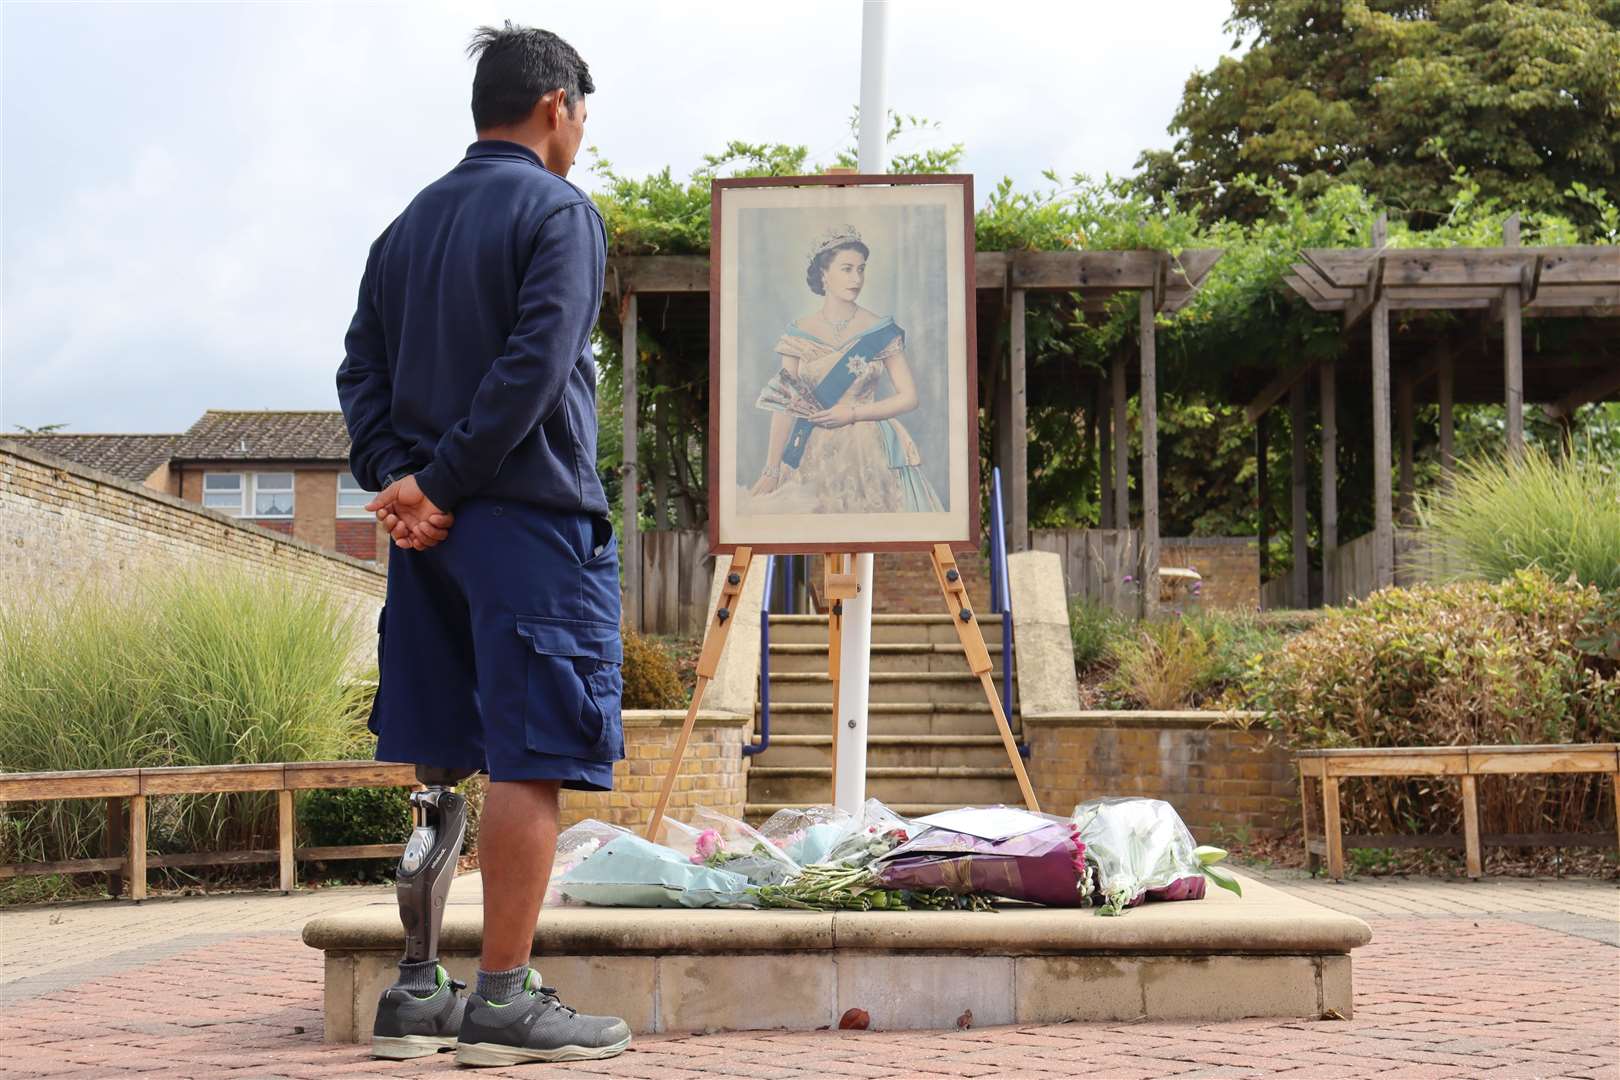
x,y
128,457
265,435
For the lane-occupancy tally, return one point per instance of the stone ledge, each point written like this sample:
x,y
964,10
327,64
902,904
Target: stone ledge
x,y
1268,954
674,718
1146,718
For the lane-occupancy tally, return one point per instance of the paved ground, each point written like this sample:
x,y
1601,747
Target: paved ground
x,y
1497,978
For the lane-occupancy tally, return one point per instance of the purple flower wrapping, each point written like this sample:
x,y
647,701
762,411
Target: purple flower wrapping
x,y
1042,867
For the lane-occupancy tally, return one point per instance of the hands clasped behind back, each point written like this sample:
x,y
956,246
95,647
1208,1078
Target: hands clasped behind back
x,y
410,516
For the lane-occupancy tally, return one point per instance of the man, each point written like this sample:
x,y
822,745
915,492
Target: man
x,y
469,390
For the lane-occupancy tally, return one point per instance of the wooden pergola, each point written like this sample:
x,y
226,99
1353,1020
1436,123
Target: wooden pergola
x,y
679,285
1578,286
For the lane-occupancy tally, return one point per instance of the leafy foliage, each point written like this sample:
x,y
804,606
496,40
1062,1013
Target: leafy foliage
x,y
650,678
1394,96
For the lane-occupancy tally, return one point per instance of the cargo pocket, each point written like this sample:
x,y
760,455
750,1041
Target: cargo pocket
x,y
574,686
376,696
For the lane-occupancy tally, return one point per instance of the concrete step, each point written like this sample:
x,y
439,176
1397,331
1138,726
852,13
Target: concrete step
x,y
939,687
961,785
886,629
913,656
889,751
886,718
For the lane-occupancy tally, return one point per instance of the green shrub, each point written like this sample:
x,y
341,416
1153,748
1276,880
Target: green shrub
x,y
651,680
1558,515
1165,664
347,816
1466,663
1093,628
200,667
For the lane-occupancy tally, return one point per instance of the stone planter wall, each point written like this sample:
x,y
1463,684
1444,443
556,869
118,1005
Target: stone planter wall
x,y
1219,773
713,773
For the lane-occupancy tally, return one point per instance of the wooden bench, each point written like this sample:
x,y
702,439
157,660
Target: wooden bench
x,y
126,792
1467,764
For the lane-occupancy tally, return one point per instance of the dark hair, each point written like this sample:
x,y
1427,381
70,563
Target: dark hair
x,y
818,266
517,66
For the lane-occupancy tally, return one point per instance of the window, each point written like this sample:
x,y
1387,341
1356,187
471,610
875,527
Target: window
x,y
352,498
273,495
224,491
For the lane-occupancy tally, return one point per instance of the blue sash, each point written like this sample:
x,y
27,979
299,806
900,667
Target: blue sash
x,y
836,383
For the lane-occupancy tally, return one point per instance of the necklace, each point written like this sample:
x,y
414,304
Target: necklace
x,y
836,324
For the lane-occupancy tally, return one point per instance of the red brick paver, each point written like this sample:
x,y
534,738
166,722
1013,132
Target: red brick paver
x,y
1435,997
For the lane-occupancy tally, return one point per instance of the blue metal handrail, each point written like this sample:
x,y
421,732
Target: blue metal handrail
x,y
751,748
1000,591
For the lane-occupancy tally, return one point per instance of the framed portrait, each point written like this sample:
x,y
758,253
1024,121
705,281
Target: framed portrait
x,y
842,386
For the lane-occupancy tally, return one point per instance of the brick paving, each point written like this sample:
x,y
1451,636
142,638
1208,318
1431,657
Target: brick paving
x,y
1500,978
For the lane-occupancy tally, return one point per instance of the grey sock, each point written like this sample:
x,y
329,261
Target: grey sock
x,y
502,986
420,979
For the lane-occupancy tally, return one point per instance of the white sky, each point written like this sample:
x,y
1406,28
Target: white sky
x,y
189,190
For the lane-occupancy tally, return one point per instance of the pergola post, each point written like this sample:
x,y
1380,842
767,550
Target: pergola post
x,y
1383,516
1330,481
1447,379
1105,455
1018,463
630,531
1300,578
1262,454
1404,422
1513,350
1150,457
1122,446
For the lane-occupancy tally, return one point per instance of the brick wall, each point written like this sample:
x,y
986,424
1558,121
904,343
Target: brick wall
x,y
713,772
62,524
1217,774
314,520
357,538
1230,567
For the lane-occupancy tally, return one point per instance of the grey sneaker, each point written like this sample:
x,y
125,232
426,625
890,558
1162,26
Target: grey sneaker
x,y
535,1026
409,1026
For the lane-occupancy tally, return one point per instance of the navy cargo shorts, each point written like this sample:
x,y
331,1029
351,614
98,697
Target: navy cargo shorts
x,y
499,648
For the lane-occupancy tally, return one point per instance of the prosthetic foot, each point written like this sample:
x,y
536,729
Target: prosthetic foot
x,y
411,1025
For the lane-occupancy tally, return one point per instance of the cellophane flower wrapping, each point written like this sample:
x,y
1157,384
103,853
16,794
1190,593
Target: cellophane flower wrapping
x,y
575,844
722,842
1141,850
628,871
875,833
807,833
1045,866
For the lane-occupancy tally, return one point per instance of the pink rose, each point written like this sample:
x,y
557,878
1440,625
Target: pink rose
x,y
708,842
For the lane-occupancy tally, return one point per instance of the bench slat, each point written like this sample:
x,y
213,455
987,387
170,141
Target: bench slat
x,y
1432,763
308,775
69,866
211,779
89,784
1526,759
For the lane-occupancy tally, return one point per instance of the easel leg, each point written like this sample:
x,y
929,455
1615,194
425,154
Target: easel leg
x,y
978,658
708,663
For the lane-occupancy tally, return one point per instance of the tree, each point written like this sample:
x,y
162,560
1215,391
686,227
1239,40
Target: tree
x,y
1396,96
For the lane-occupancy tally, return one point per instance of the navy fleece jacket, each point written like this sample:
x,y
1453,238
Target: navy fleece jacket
x,y
468,361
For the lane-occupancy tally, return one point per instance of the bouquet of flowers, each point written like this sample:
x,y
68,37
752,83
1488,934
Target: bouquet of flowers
x,y
724,843
1045,865
575,844
1143,851
628,871
878,832
788,393
807,834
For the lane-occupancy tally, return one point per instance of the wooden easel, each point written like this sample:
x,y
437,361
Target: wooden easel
x,y
840,580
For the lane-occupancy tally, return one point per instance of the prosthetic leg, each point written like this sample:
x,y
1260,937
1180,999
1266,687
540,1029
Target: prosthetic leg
x,y
429,862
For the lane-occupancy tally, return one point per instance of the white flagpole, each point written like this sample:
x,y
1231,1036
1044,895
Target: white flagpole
x,y
855,647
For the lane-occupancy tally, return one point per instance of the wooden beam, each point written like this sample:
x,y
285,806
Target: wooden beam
x,y
1105,453
1346,268
1299,523
659,274
1149,401
1513,349
1262,480
1019,463
1323,288
1447,387
630,526
1122,447
1273,393
1329,405
1405,425
1383,516
1606,383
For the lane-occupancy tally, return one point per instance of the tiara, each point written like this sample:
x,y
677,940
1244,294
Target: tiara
x,y
837,236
